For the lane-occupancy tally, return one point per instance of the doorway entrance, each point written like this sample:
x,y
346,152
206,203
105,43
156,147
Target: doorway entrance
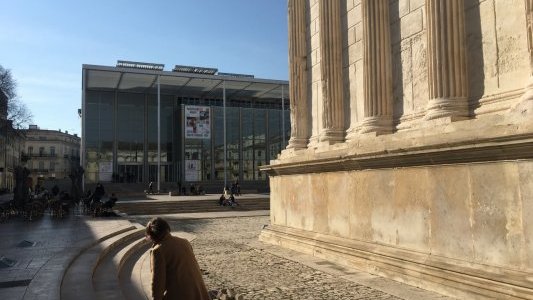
x,y
130,173
165,173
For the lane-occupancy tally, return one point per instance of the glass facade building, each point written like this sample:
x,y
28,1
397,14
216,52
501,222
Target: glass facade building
x,y
120,126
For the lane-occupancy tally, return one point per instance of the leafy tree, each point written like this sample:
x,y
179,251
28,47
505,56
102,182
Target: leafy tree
x,y
17,112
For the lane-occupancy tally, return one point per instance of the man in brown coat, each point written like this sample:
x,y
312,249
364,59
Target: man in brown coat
x,y
175,271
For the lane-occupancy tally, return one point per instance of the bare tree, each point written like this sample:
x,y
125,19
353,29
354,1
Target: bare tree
x,y
7,83
17,112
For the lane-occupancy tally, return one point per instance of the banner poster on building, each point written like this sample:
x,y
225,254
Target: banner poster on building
x,y
192,169
105,170
197,122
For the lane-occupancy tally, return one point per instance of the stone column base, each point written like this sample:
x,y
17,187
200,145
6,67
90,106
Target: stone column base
x,y
332,136
524,109
455,108
297,143
378,124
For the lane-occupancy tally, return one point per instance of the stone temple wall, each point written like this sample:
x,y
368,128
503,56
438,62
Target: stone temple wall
x,y
411,150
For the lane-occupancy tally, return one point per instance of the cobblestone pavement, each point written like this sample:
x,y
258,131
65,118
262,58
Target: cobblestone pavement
x,y
225,249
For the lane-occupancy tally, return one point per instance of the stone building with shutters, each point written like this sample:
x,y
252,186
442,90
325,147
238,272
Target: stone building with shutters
x,y
51,154
411,142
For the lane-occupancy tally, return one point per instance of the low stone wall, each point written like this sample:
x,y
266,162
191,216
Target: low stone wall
x,y
461,226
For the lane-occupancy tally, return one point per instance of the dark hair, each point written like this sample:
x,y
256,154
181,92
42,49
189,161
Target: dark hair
x,y
157,228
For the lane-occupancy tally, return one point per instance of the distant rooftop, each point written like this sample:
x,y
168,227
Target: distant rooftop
x,y
36,127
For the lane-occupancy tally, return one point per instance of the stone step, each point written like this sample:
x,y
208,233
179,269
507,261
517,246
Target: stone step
x,y
47,282
78,279
158,211
146,275
170,207
135,275
106,277
187,203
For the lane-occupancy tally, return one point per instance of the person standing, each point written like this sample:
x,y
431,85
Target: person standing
x,y
99,192
175,271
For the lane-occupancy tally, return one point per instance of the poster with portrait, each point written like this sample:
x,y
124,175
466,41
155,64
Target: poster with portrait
x,y
105,170
197,122
192,168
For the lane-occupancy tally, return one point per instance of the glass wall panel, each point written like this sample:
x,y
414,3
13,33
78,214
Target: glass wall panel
x,y
287,130
130,136
167,112
218,141
233,142
206,160
99,107
274,133
247,144
233,136
259,143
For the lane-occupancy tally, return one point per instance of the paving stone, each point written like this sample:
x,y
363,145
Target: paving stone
x,y
223,247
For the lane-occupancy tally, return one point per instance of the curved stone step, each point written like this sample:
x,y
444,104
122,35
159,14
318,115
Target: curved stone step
x,y
78,279
47,282
106,278
145,275
132,283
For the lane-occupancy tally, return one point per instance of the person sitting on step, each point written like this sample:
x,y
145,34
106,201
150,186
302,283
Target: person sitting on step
x,y
110,203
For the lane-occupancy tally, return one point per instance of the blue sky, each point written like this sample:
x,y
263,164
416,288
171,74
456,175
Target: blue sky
x,y
45,43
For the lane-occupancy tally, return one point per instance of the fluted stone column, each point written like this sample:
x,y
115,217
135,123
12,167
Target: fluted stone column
x,y
528,95
524,109
331,70
298,74
377,67
448,90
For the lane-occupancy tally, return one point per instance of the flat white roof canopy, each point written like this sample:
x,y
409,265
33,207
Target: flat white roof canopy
x,y
183,84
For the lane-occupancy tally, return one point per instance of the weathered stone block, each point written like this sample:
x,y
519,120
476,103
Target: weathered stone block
x,y
411,208
450,208
351,17
419,70
319,202
403,8
299,203
496,221
351,36
360,205
338,212
415,4
412,23
355,52
277,204
525,171
358,32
